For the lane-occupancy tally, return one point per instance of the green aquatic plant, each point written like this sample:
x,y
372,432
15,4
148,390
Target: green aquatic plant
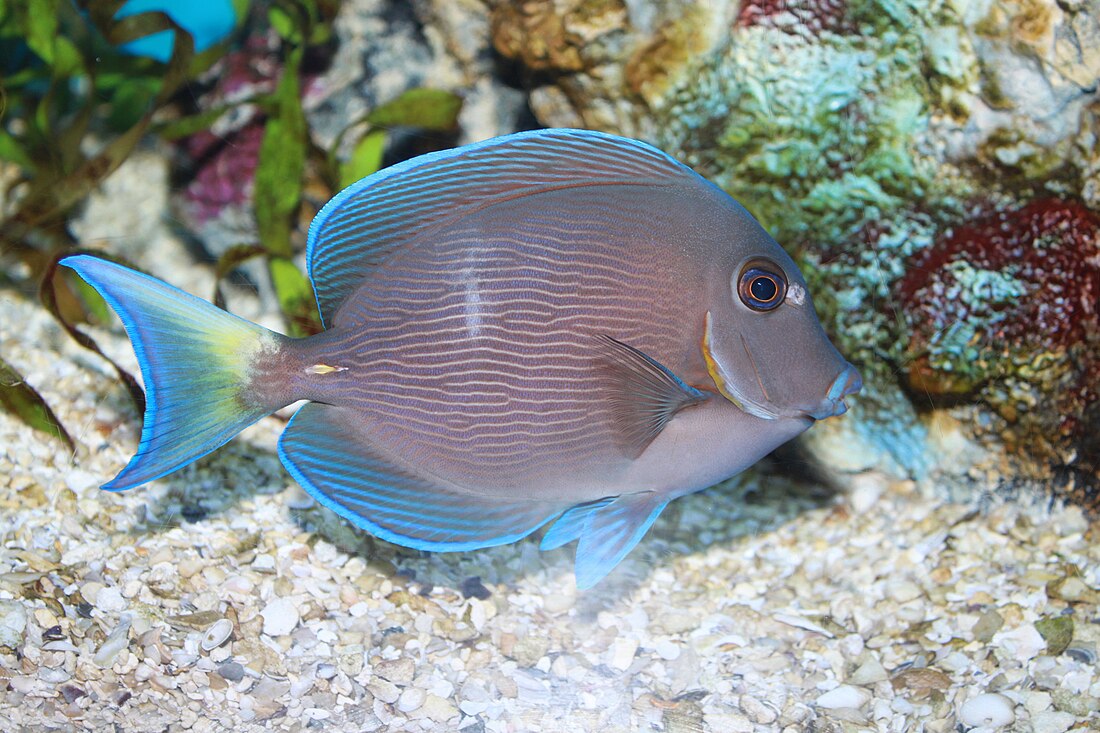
x,y
76,101
59,139
19,398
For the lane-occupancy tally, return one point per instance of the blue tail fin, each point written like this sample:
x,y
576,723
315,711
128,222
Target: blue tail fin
x,y
195,360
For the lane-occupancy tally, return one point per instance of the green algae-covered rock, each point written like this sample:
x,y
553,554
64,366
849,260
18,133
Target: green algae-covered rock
x,y
1057,632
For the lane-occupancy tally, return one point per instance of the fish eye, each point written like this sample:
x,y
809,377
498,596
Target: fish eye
x,y
761,286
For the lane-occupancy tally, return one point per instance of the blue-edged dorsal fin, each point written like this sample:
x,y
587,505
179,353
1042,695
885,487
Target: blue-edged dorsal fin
x,y
326,451
642,393
369,220
607,529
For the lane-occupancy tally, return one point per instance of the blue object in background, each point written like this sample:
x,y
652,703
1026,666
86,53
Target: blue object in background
x,y
208,22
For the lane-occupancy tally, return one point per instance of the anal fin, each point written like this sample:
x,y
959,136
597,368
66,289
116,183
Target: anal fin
x,y
327,452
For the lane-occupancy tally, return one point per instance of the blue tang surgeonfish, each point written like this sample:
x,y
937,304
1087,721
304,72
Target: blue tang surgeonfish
x,y
208,21
552,325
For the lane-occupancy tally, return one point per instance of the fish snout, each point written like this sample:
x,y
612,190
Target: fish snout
x,y
847,382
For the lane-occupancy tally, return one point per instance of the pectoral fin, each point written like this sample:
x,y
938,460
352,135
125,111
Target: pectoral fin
x,y
643,393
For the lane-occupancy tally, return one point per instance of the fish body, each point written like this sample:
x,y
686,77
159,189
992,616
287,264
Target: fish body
x,y
490,373
560,324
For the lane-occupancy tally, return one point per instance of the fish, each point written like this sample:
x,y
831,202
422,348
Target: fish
x,y
209,22
555,327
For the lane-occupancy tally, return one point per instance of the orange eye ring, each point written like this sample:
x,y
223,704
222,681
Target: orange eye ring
x,y
761,288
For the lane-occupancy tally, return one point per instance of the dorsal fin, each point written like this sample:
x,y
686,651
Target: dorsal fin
x,y
367,221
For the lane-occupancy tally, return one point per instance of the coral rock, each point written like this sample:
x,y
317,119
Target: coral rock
x,y
1005,309
988,298
810,17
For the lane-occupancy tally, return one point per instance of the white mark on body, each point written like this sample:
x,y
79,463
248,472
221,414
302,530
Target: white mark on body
x,y
472,298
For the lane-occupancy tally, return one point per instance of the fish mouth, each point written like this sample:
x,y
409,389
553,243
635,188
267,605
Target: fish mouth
x,y
846,383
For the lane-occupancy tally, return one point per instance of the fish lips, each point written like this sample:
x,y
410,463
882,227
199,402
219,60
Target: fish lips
x,y
847,382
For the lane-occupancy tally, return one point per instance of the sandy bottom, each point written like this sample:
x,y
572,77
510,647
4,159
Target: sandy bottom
x,y
220,600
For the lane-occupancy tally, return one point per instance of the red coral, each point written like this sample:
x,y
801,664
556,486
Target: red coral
x,y
1050,246
1006,309
814,16
225,178
227,156
1033,354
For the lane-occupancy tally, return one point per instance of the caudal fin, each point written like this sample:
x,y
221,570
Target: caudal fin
x,y
195,360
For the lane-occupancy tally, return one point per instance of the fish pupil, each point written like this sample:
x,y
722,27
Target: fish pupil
x,y
764,289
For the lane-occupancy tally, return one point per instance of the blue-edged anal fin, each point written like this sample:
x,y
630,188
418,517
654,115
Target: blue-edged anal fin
x,y
643,394
326,450
608,529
